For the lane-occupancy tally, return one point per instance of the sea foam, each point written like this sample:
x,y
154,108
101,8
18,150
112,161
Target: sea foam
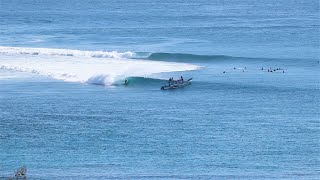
x,y
83,66
64,52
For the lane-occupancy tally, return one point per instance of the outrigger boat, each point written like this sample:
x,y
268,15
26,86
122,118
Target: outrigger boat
x,y
175,84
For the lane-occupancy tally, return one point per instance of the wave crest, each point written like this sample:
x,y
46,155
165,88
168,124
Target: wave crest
x,y
186,57
65,52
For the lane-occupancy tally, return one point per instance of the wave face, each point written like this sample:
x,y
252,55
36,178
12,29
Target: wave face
x,y
194,58
188,57
94,67
141,81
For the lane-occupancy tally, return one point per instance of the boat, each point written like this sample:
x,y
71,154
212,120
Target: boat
x,y
175,84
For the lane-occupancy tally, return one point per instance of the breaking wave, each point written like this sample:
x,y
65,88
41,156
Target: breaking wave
x,y
84,66
64,52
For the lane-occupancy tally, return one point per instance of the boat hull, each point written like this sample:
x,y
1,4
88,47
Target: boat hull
x,y
177,85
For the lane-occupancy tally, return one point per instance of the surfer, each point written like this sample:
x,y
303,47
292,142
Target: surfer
x,y
181,78
126,82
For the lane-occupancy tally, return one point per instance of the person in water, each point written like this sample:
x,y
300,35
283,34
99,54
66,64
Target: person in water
x,y
181,78
126,82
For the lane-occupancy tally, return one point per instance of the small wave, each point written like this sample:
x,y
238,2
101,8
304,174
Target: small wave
x,y
65,52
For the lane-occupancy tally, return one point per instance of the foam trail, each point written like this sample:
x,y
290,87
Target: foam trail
x,y
83,68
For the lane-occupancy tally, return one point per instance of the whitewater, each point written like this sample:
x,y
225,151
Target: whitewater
x,y
93,67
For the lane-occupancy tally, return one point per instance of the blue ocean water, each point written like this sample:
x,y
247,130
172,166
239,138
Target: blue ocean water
x,y
66,114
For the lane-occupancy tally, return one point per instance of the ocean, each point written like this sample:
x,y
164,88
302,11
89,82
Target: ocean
x,y
251,111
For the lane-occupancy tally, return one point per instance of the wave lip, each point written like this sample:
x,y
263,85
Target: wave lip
x,y
64,52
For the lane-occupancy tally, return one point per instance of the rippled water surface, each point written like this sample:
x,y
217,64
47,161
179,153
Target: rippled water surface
x,y
65,112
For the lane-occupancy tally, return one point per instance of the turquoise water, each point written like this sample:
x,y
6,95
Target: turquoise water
x,y
66,114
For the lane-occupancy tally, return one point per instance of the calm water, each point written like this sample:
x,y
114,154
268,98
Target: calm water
x,y
65,113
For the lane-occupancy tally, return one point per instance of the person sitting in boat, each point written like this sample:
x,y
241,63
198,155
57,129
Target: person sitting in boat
x,y
170,81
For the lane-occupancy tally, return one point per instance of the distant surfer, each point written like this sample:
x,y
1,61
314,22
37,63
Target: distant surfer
x,y
126,82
